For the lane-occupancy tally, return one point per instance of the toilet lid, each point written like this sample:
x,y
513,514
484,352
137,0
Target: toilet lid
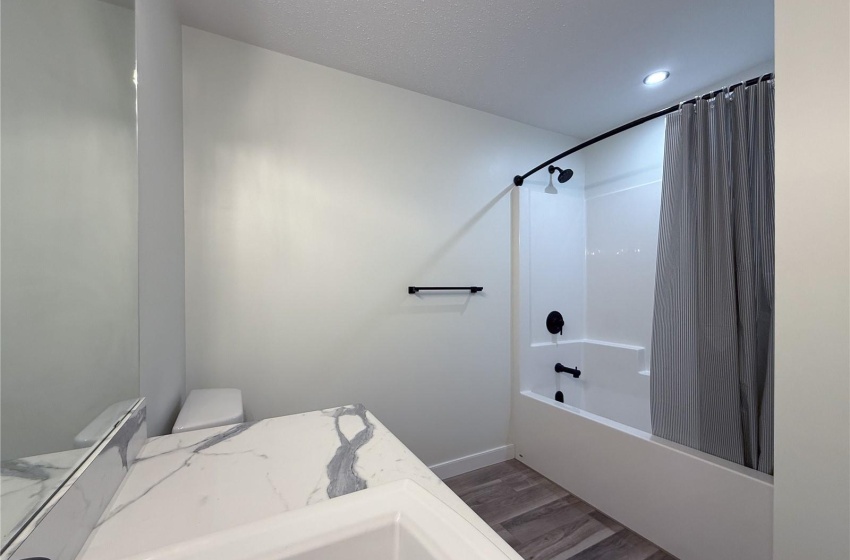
x,y
207,408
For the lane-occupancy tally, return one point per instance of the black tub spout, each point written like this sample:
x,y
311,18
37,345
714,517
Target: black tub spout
x,y
575,372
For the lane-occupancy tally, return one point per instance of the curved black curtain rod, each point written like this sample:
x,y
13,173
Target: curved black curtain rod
x,y
518,180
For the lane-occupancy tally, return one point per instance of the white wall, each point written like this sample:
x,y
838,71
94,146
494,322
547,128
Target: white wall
x,y
69,192
162,359
313,199
812,502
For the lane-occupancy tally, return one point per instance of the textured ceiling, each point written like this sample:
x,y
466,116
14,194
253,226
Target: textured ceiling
x,y
573,66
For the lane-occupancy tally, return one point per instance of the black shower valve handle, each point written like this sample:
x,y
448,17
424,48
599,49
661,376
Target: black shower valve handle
x,y
555,323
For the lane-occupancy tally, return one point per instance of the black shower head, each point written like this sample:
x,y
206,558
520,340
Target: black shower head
x,y
564,175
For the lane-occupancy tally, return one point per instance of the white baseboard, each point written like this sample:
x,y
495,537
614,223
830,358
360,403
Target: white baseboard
x,y
474,461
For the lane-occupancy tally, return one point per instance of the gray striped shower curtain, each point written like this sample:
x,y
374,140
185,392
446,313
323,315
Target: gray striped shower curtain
x,y
712,335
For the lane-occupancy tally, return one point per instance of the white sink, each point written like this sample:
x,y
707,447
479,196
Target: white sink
x,y
395,521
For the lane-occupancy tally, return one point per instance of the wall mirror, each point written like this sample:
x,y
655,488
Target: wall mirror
x,y
69,360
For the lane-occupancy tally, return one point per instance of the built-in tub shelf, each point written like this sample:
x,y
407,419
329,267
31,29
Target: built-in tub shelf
x,y
612,366
598,355
614,380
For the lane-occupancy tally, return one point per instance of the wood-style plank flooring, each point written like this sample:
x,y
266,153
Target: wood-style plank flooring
x,y
542,521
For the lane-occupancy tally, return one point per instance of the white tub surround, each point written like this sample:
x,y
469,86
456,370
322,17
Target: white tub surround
x,y
189,485
613,382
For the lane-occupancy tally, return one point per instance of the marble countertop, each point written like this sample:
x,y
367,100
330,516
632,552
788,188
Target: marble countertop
x,y
188,485
25,484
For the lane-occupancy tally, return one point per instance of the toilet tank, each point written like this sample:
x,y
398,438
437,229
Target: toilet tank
x,y
208,408
100,426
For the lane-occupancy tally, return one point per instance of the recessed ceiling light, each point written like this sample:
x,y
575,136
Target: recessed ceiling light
x,y
656,77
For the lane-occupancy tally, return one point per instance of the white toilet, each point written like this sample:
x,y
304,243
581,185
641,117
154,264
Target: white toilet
x,y
208,408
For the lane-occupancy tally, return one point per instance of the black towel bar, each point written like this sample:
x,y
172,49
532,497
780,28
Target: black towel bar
x,y
471,289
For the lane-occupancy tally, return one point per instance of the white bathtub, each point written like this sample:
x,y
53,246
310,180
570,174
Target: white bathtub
x,y
567,257
695,506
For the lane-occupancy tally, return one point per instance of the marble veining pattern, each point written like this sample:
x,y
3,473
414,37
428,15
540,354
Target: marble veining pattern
x,y
62,527
124,441
26,483
341,472
188,485
192,451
